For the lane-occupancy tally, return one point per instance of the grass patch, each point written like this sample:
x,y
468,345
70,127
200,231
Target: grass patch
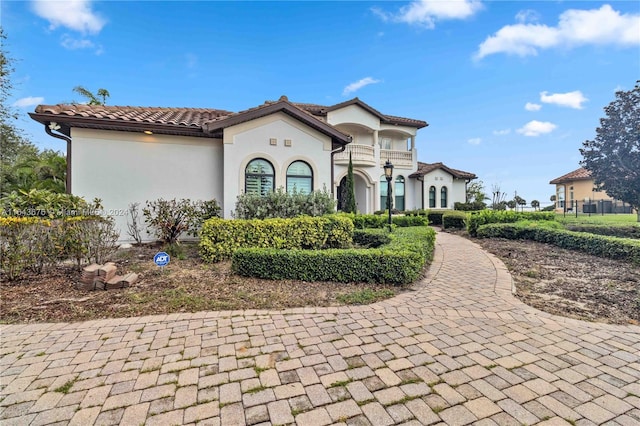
x,y
340,383
364,297
608,219
256,389
66,387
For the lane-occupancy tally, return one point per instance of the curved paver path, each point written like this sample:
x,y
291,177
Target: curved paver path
x,y
458,350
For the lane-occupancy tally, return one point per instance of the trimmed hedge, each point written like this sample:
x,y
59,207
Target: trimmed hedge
x,y
435,216
597,245
399,262
628,231
477,219
371,238
454,220
368,221
220,238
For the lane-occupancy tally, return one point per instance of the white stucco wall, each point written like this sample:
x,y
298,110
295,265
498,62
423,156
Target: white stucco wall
x,y
353,114
125,167
247,141
456,188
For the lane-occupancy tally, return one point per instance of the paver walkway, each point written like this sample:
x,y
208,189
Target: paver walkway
x,y
459,350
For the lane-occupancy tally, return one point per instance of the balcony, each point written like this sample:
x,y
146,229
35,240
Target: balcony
x,y
361,155
402,159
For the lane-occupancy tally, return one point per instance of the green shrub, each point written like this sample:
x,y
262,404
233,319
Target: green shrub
x,y
404,221
548,232
612,231
221,238
435,216
469,207
399,262
169,219
476,219
418,212
454,220
281,204
45,204
368,221
33,243
371,238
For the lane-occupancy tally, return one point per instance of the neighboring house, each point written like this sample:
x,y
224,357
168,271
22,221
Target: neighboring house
x,y
126,154
578,189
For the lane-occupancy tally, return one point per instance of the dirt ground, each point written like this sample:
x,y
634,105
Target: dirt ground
x,y
569,283
185,285
551,279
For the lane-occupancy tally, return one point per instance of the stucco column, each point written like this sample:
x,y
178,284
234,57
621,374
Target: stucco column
x,y
375,138
413,143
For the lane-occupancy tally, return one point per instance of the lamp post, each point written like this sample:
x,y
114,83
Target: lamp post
x,y
388,174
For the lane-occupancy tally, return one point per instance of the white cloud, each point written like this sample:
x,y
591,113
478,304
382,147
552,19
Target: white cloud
x,y
603,26
527,15
359,85
502,132
427,12
29,101
71,43
72,14
529,106
475,141
536,128
573,99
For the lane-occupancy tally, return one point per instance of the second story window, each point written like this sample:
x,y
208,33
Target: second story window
x,y
385,143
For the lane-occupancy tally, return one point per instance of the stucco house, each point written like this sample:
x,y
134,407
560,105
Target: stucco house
x,y
127,154
577,189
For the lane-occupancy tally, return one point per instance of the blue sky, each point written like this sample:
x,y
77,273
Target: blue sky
x,y
510,89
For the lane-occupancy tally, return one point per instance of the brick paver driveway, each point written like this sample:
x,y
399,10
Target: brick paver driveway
x,y
458,350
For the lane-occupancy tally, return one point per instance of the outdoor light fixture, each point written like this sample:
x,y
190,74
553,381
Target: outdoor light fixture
x,y
388,174
54,126
148,132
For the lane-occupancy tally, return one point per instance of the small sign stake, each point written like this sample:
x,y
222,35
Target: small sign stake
x,y
161,259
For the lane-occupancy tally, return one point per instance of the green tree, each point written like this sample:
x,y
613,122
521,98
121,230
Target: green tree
x,y
349,200
98,98
613,157
512,204
476,192
535,204
520,201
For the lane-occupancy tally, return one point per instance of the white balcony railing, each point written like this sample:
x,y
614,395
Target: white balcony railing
x,y
361,155
397,158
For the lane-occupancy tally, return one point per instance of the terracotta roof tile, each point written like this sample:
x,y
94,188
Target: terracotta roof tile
x,y
425,168
578,174
189,117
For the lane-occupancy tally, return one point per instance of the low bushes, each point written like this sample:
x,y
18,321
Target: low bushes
x,y
435,216
30,243
597,245
477,219
367,221
281,204
454,220
629,231
371,238
399,262
169,219
221,238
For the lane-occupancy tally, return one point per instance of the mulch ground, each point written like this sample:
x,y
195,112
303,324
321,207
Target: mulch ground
x,y
569,283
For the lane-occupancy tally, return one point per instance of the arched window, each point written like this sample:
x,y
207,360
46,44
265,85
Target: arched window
x,y
299,177
443,197
432,197
399,193
383,192
560,198
259,177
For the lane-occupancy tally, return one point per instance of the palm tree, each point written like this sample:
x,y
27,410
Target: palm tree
x,y
99,98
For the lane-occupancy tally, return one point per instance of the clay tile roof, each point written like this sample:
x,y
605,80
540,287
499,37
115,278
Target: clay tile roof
x,y
183,117
578,174
425,168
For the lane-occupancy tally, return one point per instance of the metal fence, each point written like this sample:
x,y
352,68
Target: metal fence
x,y
590,207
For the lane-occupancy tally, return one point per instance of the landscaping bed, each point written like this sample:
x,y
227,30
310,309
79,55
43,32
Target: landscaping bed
x,y
187,285
569,283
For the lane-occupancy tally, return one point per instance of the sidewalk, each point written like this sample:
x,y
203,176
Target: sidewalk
x,y
458,350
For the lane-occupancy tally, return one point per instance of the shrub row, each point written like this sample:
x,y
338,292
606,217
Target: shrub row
x,y
628,231
454,220
282,204
399,262
29,243
477,219
435,216
220,238
597,245
366,221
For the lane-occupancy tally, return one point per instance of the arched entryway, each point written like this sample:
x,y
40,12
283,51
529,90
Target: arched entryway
x,y
363,192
